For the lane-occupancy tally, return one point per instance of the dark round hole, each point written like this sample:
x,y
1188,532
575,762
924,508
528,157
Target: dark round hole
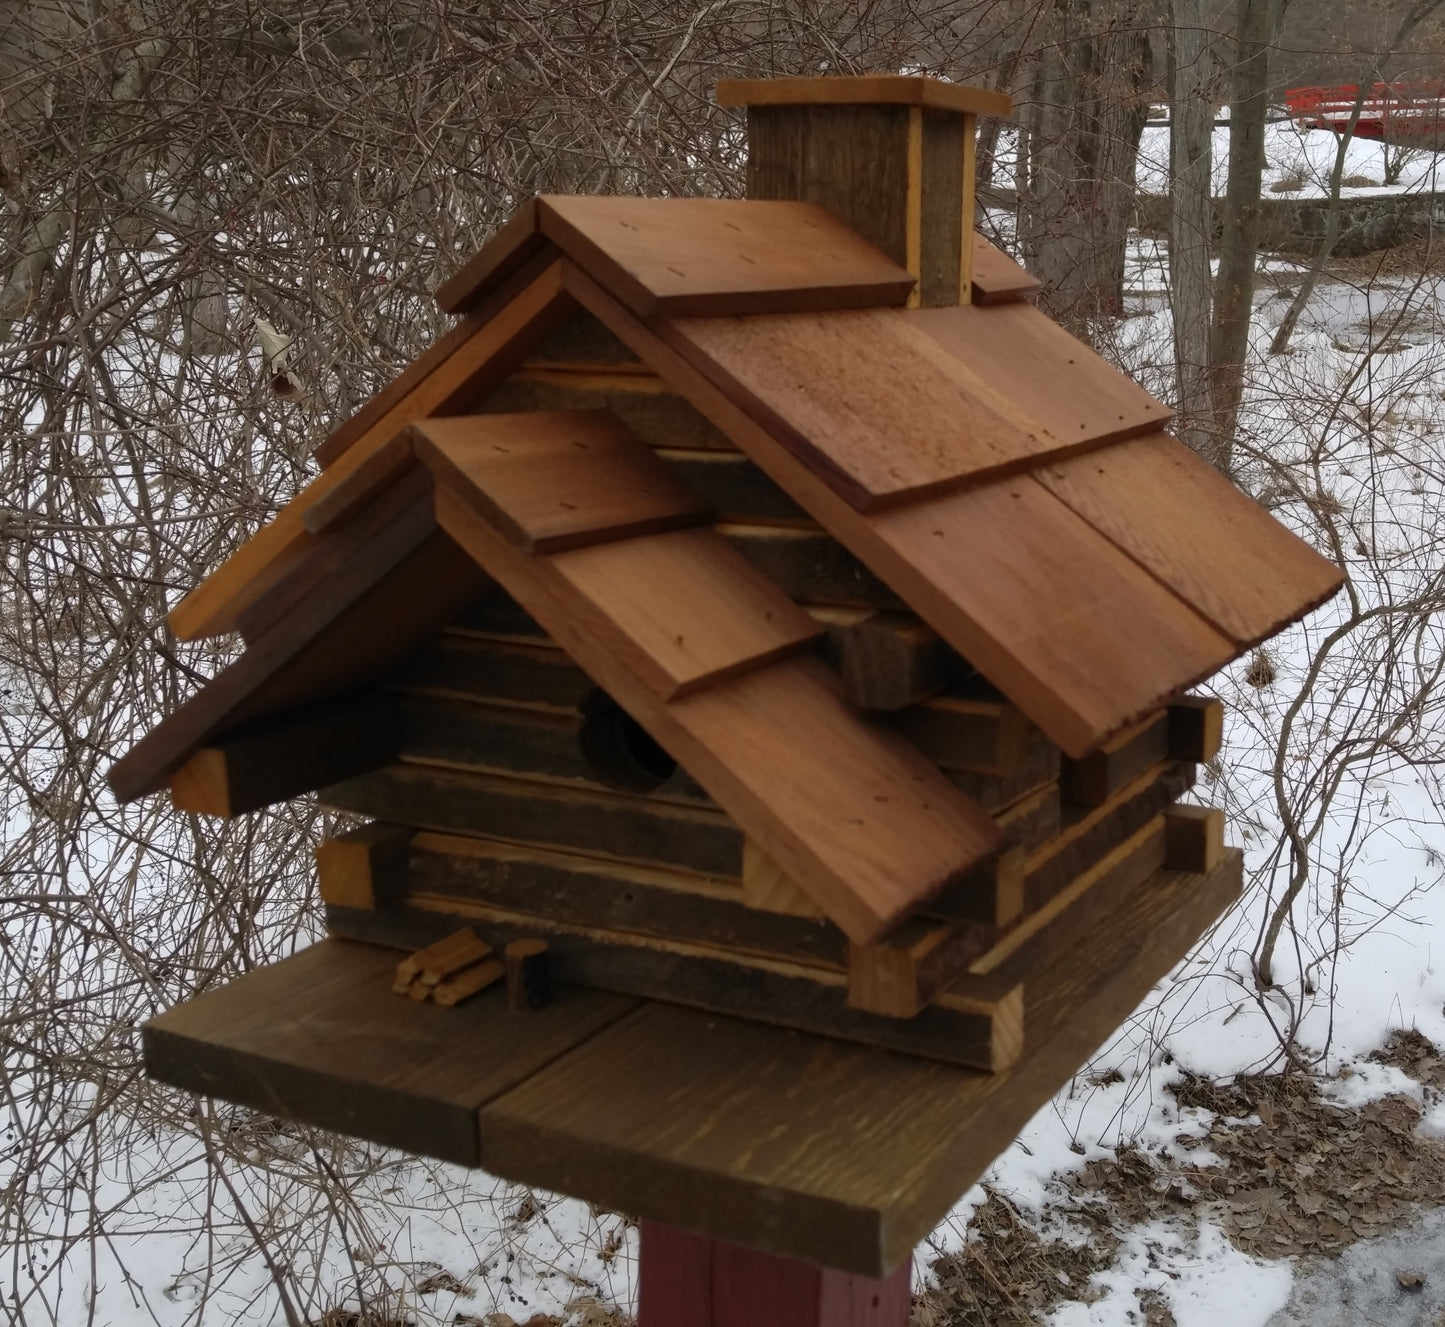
x,y
620,751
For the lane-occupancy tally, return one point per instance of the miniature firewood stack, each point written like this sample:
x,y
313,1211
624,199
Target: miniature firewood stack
x,y
777,631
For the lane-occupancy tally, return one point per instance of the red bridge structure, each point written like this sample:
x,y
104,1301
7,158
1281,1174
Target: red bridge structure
x,y
1411,114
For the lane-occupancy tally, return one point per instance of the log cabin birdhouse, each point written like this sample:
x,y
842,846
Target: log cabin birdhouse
x,y
762,619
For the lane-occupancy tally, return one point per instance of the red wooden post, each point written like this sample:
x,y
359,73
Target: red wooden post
x,y
688,1280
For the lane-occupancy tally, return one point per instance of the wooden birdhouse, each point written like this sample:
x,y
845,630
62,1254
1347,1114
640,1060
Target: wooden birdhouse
x,y
761,638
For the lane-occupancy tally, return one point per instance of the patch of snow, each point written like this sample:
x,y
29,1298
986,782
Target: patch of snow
x,y
1292,155
1432,1123
1203,1279
1363,1081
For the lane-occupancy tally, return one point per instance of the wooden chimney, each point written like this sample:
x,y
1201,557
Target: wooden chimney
x,y
890,156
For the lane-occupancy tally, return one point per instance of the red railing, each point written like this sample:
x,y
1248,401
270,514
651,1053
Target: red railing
x,y
1390,110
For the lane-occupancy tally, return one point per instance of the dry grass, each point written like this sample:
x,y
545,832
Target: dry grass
x,y
1008,1274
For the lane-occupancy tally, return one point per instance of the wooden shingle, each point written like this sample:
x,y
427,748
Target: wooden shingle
x,y
1072,393
866,399
1183,521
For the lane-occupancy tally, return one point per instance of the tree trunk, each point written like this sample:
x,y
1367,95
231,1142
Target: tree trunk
x,y
1092,102
1256,22
1191,219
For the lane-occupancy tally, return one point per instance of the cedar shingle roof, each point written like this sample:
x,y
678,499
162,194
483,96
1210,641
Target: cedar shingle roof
x,y
1012,488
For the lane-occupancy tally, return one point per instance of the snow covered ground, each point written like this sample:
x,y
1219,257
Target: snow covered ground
x,y
1296,156
1298,162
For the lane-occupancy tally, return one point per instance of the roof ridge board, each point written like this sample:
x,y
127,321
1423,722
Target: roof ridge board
x,y
801,255
1075,729
211,608
802,258
861,893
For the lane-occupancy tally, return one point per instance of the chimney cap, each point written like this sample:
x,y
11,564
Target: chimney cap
x,y
863,89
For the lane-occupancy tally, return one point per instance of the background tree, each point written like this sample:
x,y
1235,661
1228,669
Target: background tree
x,y
1092,77
1193,87
1256,23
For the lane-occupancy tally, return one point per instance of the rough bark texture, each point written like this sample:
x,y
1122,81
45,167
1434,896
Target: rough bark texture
x,y
1191,119
1256,22
1091,95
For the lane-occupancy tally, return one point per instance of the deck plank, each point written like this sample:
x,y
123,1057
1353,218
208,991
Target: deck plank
x,y
320,1037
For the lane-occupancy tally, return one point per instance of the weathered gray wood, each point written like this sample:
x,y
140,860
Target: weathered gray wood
x,y
909,968
508,740
983,735
809,566
945,195
1033,820
853,160
584,891
1196,728
735,488
1126,867
892,660
1039,765
1091,836
1079,841
624,827
505,673
581,339
658,417
498,614
1194,837
1095,778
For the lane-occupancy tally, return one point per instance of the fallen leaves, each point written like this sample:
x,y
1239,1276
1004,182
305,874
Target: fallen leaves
x,y
1299,1174
1290,1173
